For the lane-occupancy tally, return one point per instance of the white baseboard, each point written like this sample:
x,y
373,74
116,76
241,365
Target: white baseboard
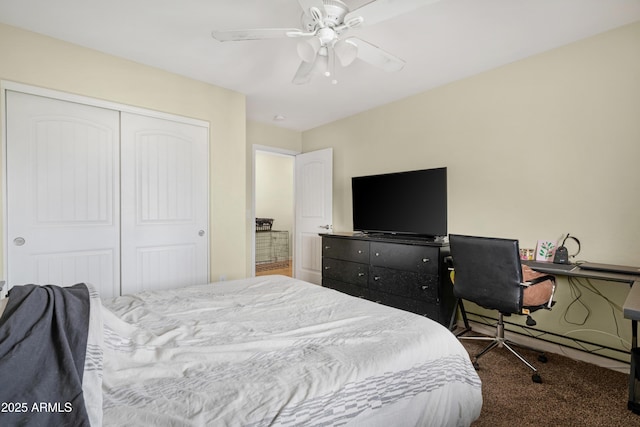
x,y
549,347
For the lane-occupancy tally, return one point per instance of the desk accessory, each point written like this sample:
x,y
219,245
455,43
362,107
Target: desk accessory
x,y
545,250
562,253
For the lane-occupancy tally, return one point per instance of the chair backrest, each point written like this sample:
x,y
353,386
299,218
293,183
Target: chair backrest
x,y
487,272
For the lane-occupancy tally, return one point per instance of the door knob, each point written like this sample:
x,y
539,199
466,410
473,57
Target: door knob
x,y
19,241
201,233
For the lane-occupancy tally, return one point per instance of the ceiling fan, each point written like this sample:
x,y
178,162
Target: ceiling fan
x,y
325,24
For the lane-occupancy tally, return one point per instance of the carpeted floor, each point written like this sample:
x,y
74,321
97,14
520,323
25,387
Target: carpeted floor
x,y
572,393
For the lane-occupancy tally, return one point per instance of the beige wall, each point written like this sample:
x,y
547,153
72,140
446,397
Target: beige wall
x,y
274,191
33,59
534,149
273,136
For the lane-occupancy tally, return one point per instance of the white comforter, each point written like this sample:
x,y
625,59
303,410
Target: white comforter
x,y
279,351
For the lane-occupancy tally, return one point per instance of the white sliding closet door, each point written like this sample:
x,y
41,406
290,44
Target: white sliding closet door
x,y
98,195
164,203
62,193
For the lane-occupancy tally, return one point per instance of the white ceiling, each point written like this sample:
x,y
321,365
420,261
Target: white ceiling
x,y
440,42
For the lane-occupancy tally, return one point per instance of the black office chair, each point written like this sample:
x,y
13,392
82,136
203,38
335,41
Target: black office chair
x,y
487,272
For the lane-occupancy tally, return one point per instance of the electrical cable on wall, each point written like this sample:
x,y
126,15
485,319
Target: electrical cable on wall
x,y
577,294
575,284
626,344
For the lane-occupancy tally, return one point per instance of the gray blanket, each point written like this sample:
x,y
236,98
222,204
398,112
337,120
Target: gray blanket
x,y
43,339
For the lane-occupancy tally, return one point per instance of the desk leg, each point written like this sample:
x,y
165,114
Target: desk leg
x,y
632,404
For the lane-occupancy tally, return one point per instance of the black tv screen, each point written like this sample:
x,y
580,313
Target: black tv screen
x,y
413,202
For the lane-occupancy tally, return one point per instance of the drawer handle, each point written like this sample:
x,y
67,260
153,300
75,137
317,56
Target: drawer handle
x,y
425,287
377,253
360,251
327,247
425,260
327,268
360,274
376,278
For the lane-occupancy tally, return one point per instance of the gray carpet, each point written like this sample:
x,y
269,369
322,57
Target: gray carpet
x,y
572,393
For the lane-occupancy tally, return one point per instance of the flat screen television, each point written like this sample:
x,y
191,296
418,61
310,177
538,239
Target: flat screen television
x,y
411,203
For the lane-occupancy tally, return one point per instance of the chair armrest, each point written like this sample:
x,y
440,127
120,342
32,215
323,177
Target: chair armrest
x,y
542,279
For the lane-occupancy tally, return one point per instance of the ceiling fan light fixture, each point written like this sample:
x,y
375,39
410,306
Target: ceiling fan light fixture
x,y
327,36
324,24
346,51
308,49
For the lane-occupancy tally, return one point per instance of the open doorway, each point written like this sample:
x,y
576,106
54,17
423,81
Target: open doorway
x,y
274,210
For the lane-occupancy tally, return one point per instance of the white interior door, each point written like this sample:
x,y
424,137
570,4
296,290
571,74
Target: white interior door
x,y
314,209
164,198
62,193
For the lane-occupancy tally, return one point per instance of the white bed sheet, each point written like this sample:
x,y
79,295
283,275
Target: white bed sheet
x,y
276,351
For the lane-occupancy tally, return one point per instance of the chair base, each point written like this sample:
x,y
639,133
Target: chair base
x,y
499,341
452,323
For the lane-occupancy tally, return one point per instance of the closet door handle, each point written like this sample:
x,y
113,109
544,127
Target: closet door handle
x,y
201,233
19,241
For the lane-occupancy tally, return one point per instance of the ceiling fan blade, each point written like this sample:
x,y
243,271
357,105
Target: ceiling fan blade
x,y
381,10
303,75
377,57
306,5
255,34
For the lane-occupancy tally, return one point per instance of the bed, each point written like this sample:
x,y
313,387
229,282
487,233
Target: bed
x,y
267,351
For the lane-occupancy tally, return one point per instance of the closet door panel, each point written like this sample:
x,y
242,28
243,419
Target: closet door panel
x,y
164,172
62,193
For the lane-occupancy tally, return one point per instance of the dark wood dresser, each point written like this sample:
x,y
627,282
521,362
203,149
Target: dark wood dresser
x,y
405,273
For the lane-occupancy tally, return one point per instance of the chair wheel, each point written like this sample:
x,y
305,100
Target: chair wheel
x,y
536,378
542,358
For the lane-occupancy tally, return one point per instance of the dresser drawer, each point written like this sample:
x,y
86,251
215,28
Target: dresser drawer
x,y
347,288
423,287
431,311
401,273
420,259
348,250
345,271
